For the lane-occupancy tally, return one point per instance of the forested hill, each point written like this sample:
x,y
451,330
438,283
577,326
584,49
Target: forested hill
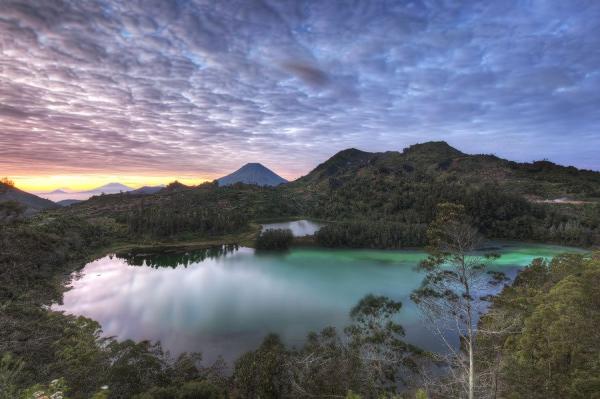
x,y
541,180
400,191
382,199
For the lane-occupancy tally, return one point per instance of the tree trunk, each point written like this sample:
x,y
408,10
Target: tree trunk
x,y
471,368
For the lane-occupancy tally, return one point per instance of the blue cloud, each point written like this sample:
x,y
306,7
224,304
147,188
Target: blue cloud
x,y
200,87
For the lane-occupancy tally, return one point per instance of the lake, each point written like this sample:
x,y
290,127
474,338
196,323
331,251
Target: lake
x,y
223,301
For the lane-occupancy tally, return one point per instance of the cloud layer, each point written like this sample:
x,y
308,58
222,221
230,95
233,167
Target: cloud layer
x,y
200,87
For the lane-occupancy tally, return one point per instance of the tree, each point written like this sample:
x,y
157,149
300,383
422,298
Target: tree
x,y
7,182
370,360
549,345
11,210
9,373
378,340
448,295
274,239
263,373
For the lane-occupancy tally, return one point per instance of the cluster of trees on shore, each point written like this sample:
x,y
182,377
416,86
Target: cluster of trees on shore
x,y
371,234
412,202
369,359
274,239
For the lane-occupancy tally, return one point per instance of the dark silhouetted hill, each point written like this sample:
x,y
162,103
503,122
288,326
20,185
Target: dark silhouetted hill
x,y
252,173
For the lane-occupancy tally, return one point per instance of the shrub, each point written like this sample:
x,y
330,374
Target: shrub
x,y
274,239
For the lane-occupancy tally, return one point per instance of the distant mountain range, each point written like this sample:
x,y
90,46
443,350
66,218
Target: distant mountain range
x,y
110,188
393,193
506,200
68,202
66,197
252,173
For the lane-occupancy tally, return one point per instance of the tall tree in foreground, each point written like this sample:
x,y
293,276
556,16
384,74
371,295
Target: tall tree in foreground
x,y
448,296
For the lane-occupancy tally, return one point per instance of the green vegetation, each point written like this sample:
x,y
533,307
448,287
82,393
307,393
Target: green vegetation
x,y
11,211
501,197
172,221
377,234
274,239
546,336
370,359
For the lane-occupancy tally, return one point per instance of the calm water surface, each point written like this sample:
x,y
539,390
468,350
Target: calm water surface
x,y
223,302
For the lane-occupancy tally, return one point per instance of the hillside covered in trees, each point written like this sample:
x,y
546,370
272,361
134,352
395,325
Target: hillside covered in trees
x,y
507,200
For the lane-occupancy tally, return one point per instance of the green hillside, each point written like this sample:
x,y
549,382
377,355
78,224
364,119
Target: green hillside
x,y
539,201
398,190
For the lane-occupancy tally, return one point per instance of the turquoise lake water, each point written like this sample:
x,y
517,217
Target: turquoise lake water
x,y
223,302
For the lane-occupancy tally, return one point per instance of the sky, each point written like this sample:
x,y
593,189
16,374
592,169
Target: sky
x,y
147,91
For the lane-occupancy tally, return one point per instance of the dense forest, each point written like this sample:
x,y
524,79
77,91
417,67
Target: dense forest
x,y
375,234
543,336
504,199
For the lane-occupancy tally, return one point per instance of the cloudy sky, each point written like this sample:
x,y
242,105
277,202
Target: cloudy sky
x,y
146,91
